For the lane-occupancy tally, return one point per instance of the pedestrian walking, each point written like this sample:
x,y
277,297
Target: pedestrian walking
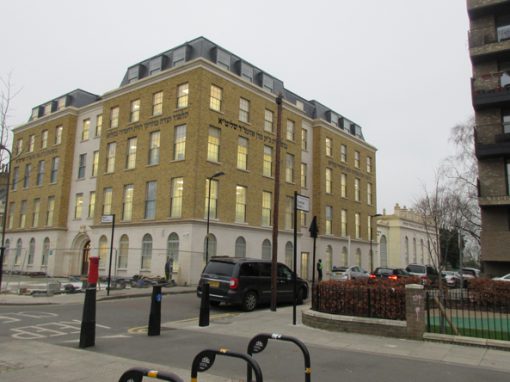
x,y
168,269
319,269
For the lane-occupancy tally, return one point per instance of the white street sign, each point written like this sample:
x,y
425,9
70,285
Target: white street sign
x,y
302,203
107,219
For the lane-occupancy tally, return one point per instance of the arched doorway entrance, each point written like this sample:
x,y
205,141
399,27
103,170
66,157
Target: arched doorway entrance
x,y
85,258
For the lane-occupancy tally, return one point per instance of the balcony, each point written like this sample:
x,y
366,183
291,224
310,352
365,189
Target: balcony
x,y
477,8
488,201
491,90
488,43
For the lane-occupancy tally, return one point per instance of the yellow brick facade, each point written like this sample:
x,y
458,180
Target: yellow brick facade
x,y
199,75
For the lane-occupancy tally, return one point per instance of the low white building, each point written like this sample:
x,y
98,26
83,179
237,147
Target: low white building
x,y
403,239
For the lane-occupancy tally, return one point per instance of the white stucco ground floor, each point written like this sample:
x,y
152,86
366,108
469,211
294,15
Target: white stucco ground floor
x,y
144,249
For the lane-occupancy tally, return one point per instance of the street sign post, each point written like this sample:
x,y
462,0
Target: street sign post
x,y
301,203
109,219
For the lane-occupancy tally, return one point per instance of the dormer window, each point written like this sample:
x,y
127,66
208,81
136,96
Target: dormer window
x,y
333,119
347,125
223,59
267,82
246,72
47,108
300,105
61,103
35,112
133,73
155,65
179,56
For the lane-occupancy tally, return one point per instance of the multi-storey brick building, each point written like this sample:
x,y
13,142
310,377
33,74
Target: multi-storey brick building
x,y
145,152
489,47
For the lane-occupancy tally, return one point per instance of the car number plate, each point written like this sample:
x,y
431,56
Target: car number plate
x,y
214,284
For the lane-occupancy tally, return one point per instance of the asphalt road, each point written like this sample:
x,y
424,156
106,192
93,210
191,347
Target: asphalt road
x,y
120,332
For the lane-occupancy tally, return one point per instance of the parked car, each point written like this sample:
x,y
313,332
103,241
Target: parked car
x,y
427,273
470,272
348,273
247,282
451,278
502,278
389,273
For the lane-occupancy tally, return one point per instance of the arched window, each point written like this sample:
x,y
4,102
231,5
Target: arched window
x,y
345,257
146,251
103,251
384,251
329,258
31,251
240,247
172,250
358,257
415,252
45,252
266,250
212,245
7,250
17,257
289,254
407,249
122,261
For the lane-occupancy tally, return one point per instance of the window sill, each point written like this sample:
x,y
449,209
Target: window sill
x,y
243,170
177,160
217,111
214,162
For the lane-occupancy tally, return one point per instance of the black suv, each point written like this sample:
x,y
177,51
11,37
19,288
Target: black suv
x,y
247,282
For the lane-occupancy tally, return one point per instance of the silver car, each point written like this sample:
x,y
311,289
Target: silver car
x,y
348,273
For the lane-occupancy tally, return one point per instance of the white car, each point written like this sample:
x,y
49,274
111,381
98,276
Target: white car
x,y
502,278
348,273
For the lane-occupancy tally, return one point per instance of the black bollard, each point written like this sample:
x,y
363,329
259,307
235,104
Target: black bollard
x,y
88,321
155,315
204,306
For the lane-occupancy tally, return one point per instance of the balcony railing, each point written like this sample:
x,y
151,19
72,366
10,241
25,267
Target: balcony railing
x,y
483,6
503,200
481,37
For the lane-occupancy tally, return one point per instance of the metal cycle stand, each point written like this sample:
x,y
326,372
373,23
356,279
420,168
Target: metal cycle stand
x,y
205,359
259,343
136,374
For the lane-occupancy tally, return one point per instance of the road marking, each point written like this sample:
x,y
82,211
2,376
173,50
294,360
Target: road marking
x,y
9,318
138,330
218,316
115,336
49,329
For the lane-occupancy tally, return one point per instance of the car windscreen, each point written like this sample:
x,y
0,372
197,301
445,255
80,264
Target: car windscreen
x,y
415,268
219,268
384,271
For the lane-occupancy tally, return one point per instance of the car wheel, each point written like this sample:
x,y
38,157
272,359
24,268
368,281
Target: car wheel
x,y
214,303
249,301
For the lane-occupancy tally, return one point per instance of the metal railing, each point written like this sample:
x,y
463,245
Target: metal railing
x,y
468,313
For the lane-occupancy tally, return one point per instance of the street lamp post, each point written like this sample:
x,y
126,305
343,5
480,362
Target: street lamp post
x,y
371,241
217,175
4,217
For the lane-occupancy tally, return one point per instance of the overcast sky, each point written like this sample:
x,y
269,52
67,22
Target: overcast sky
x,y
398,68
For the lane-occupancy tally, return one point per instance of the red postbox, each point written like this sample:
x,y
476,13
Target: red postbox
x,y
93,270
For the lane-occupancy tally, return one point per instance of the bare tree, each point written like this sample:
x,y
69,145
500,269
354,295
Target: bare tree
x,y
462,173
440,215
7,95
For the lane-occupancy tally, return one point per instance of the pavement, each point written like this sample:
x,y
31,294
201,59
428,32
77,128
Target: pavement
x,y
37,361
